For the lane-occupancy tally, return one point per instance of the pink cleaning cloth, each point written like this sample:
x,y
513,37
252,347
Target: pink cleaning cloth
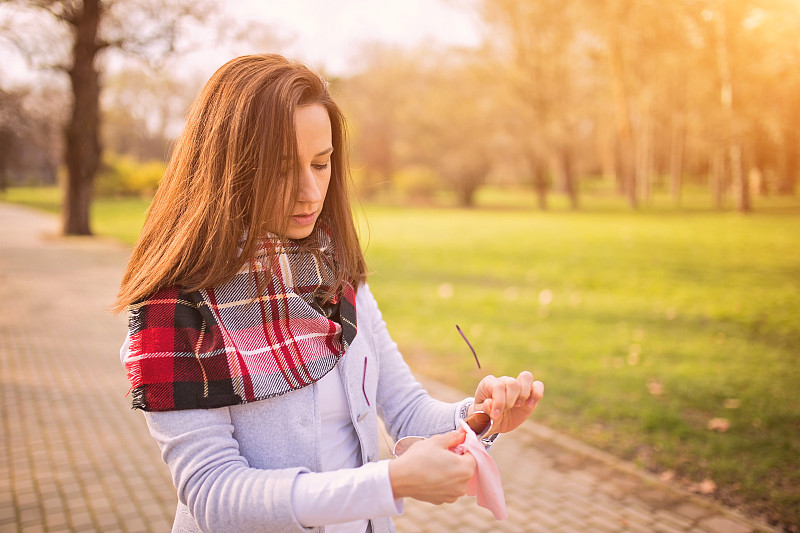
x,y
485,484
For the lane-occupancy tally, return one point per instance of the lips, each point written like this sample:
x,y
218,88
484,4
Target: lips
x,y
304,219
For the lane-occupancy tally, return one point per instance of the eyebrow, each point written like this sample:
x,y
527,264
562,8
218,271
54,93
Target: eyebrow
x,y
325,152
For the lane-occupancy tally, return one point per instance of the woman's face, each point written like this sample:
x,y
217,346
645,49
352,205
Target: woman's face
x,y
314,148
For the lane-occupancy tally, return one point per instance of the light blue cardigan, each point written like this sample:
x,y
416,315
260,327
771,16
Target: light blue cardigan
x,y
234,467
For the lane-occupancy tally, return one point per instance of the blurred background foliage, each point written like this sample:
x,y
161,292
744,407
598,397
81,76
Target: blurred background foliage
x,y
647,96
125,175
567,190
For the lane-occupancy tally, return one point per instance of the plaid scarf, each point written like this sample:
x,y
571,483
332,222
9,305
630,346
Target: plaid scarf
x,y
225,345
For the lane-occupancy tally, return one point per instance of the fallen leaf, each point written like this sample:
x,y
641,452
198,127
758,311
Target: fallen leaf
x,y
719,424
732,403
707,486
445,291
546,297
655,387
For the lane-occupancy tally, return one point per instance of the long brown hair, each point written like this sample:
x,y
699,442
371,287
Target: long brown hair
x,y
229,176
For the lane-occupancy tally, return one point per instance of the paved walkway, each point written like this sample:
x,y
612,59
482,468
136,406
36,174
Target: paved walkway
x,y
75,457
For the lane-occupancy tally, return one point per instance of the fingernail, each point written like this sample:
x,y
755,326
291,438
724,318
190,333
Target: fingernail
x,y
495,413
531,402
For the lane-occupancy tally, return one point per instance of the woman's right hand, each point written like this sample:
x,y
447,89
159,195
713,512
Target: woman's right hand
x,y
429,471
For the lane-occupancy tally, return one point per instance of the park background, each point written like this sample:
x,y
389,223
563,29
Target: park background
x,y
601,192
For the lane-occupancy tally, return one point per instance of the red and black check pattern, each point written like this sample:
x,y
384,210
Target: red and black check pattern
x,y
224,345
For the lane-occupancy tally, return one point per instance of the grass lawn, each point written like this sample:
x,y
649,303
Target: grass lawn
x,y
647,327
121,218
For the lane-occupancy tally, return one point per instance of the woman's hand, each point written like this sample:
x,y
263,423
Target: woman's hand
x,y
508,401
430,472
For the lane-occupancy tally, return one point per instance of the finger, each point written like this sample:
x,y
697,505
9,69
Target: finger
x,y
513,390
486,407
484,390
450,439
525,380
536,395
469,466
498,396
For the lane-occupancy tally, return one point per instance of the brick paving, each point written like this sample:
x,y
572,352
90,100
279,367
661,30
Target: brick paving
x,y
75,457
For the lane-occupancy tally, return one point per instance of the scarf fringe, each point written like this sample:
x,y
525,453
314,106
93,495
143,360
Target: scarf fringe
x,y
132,365
137,399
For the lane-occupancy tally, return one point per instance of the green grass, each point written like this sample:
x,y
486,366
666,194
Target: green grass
x,y
120,218
643,325
706,306
44,198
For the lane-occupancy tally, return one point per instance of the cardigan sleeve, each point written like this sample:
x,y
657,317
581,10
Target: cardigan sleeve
x,y
345,495
223,494
215,481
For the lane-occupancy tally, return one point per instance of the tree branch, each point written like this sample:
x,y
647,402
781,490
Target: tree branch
x,y
66,13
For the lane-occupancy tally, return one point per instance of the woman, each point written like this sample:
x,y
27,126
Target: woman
x,y
256,349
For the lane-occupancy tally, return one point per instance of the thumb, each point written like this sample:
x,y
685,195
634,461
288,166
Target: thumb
x,y
451,439
486,406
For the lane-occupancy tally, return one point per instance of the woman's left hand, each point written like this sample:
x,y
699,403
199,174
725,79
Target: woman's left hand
x,y
508,401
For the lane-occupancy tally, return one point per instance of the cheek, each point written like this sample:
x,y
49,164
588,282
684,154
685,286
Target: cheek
x,y
287,203
323,185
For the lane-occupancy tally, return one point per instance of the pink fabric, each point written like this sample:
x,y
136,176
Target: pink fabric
x,y
485,484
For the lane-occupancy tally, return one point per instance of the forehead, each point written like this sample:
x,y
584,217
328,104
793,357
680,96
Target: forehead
x,y
313,127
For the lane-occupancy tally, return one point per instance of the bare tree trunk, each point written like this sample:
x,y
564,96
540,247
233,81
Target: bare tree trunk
x,y
82,131
790,164
625,169
676,161
466,195
568,176
625,152
717,181
740,179
787,183
644,164
605,153
539,181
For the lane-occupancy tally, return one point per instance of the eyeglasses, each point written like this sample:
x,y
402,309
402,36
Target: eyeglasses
x,y
468,344
479,421
364,376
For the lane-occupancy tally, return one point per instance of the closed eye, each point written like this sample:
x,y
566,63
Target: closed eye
x,y
321,166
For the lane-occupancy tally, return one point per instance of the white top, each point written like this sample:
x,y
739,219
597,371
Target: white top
x,y
341,448
343,495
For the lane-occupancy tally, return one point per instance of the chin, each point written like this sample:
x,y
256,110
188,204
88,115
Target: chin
x,y
299,233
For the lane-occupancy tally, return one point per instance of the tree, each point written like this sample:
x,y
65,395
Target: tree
x,y
727,18
767,94
376,102
147,28
421,116
451,126
30,141
143,110
752,110
546,76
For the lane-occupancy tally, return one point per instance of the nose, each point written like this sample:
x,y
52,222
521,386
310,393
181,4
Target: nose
x,y
309,188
